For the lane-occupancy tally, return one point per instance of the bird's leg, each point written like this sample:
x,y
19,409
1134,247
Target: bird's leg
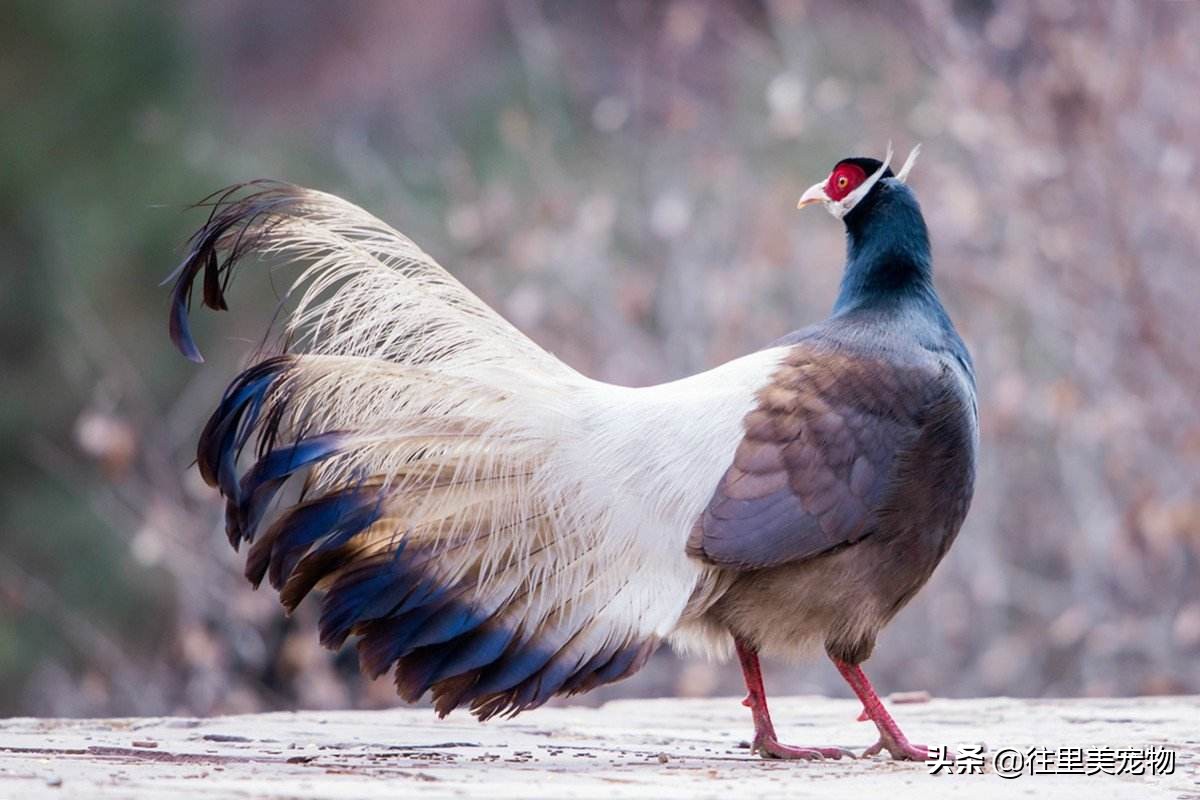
x,y
891,738
765,742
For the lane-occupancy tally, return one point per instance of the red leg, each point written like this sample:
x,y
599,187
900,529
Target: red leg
x,y
765,742
891,738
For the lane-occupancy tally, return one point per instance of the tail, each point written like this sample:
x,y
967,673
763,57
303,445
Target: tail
x,y
428,437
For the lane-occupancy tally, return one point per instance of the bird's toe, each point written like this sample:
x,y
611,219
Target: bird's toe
x,y
898,749
774,749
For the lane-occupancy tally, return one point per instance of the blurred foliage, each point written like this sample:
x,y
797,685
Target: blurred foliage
x,y
619,179
81,160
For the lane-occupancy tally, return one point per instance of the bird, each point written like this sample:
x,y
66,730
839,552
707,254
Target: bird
x,y
496,529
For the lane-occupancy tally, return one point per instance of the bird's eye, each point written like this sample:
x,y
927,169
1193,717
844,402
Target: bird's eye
x,y
842,181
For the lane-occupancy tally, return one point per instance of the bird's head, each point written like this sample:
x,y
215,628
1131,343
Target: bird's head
x,y
852,180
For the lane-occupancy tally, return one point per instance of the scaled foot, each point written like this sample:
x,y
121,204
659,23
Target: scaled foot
x,y
900,748
772,748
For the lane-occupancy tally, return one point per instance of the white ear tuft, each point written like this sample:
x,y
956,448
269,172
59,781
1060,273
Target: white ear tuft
x,y
902,175
843,207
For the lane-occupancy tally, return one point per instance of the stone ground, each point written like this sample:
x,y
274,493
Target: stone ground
x,y
649,748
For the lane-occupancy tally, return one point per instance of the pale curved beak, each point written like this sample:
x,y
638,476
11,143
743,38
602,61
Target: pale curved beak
x,y
814,194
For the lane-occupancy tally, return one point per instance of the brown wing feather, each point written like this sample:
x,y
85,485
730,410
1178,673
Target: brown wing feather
x,y
816,461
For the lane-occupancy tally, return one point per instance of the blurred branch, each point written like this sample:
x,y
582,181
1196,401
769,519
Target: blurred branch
x,y
27,592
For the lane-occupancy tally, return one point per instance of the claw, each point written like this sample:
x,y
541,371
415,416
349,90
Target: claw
x,y
899,750
772,749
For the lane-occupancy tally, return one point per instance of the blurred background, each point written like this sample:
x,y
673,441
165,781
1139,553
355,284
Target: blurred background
x,y
619,179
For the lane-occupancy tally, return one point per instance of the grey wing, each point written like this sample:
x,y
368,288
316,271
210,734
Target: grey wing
x,y
815,464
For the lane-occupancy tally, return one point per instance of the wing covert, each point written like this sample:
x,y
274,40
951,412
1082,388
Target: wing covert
x,y
815,463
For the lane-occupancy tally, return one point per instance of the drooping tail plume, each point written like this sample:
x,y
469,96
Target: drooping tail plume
x,y
448,510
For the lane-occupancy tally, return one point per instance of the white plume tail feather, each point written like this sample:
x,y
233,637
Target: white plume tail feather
x,y
491,524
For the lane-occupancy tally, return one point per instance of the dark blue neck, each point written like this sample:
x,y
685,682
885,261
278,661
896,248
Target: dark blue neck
x,y
887,254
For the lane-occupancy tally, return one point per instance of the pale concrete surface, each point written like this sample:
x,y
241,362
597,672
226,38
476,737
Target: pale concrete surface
x,y
650,748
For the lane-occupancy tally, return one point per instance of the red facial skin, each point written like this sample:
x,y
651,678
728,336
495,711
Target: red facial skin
x,y
844,179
